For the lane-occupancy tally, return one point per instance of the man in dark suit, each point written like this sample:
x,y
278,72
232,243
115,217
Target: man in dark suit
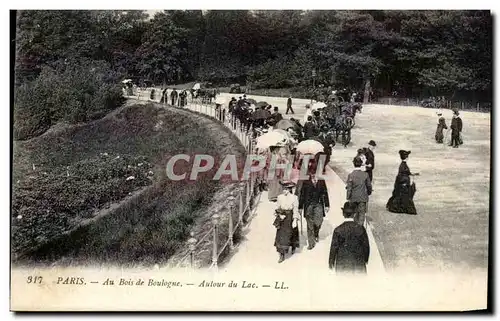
x,y
350,247
456,129
370,159
275,117
310,129
358,188
289,105
313,200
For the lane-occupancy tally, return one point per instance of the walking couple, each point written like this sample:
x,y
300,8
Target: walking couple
x,y
311,197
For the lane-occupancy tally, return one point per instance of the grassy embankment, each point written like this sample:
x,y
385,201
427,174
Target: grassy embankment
x,y
66,178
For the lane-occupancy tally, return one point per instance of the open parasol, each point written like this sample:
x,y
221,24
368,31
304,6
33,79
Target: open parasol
x,y
260,114
261,104
310,147
272,138
251,101
318,105
285,124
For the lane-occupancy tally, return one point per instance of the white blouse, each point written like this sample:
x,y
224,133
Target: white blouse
x,y
289,202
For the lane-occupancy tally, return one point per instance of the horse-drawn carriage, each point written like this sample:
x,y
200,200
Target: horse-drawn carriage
x,y
206,91
339,118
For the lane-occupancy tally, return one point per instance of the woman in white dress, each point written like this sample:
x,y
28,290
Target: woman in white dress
x,y
286,221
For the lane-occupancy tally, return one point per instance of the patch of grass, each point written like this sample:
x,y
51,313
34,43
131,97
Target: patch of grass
x,y
452,198
146,229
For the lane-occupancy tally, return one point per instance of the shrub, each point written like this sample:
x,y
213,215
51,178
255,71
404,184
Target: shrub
x,y
73,91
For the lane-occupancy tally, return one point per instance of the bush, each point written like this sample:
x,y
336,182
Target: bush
x,y
71,91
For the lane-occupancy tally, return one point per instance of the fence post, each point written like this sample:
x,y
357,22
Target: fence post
x,y
215,254
477,106
192,247
241,208
462,105
249,194
231,225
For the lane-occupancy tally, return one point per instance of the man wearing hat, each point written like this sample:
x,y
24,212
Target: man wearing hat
x,y
289,105
350,248
370,159
310,129
314,201
359,188
456,129
276,116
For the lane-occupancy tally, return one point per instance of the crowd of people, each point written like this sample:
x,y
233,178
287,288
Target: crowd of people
x,y
350,249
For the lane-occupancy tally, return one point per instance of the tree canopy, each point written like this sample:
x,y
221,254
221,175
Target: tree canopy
x,y
417,53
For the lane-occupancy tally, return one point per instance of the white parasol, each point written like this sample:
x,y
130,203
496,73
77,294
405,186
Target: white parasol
x,y
196,86
127,81
273,138
310,147
318,105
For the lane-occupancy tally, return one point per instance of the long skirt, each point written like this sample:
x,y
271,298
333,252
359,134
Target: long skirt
x,y
401,200
286,235
439,134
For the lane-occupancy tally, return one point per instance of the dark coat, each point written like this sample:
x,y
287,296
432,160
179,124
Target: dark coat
x,y
289,102
370,159
401,200
311,194
350,248
456,124
275,118
439,130
310,130
358,186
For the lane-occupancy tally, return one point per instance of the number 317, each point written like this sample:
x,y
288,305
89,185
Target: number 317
x,y
34,279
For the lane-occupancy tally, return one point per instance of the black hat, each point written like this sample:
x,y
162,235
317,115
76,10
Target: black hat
x,y
361,151
348,208
372,143
275,108
404,153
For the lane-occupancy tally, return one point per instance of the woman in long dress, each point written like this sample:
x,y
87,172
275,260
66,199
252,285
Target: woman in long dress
x,y
401,200
286,221
440,127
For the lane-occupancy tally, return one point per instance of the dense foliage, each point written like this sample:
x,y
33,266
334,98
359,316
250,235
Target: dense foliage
x,y
413,53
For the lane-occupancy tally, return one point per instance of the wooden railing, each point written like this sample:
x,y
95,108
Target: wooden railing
x,y
241,204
